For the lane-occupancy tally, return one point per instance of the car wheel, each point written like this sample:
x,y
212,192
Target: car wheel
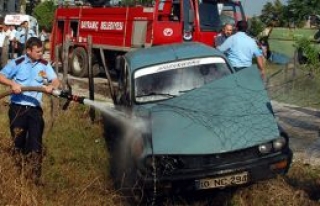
x,y
79,62
126,176
126,179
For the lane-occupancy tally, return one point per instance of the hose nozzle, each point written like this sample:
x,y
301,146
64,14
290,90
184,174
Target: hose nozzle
x,y
67,95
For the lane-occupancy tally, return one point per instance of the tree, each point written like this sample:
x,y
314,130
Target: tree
x,y
273,14
299,10
31,5
256,26
44,12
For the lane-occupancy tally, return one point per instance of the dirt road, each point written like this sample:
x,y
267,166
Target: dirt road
x,y
303,127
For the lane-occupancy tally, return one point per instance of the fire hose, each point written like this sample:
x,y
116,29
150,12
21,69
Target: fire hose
x,y
56,92
66,94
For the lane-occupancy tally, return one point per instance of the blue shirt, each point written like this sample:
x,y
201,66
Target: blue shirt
x,y
20,35
240,49
220,38
27,73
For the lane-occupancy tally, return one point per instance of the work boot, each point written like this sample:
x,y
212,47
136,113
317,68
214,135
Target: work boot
x,y
34,168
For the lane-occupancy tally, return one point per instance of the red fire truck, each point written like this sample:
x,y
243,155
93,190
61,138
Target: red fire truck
x,y
117,29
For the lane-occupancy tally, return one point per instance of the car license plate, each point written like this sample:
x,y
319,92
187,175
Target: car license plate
x,y
236,179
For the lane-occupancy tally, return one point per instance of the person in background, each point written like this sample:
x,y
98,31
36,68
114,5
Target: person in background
x,y
22,36
44,37
226,31
4,43
12,40
25,112
2,38
240,49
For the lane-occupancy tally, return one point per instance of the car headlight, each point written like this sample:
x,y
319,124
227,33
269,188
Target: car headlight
x,y
279,143
265,148
274,146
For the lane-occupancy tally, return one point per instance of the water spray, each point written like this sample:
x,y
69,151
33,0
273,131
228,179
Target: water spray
x,y
107,110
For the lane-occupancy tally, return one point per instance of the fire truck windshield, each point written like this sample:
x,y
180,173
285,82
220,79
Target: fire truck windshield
x,y
214,15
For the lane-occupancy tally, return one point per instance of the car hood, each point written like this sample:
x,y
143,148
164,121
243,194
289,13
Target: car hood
x,y
226,115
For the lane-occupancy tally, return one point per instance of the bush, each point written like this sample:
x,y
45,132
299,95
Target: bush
x,y
310,52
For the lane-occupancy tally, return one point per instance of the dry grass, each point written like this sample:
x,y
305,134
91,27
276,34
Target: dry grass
x,y
75,171
75,167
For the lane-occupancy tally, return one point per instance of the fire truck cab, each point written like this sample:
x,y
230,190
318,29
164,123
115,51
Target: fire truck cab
x,y
117,29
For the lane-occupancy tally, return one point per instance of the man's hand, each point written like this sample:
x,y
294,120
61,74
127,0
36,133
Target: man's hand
x,y
48,88
16,88
262,74
261,66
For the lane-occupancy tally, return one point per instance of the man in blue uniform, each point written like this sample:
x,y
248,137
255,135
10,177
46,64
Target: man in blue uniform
x,y
241,49
23,35
25,113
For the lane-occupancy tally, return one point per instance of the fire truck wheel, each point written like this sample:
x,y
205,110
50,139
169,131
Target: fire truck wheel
x,y
79,62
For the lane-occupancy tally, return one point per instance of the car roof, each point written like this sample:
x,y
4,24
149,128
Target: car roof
x,y
167,53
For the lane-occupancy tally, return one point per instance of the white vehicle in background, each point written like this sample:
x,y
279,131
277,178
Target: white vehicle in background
x,y
17,19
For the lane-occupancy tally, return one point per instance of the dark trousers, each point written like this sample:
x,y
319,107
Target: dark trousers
x,y
11,49
26,127
20,49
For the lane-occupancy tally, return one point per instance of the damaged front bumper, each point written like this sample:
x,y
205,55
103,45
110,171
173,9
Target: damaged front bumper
x,y
204,173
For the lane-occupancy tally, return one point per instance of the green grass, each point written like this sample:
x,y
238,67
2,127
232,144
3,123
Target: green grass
x,y
75,166
293,86
281,40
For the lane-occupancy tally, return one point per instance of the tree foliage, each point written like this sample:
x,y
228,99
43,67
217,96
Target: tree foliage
x,y
44,12
274,14
310,53
256,26
300,9
294,13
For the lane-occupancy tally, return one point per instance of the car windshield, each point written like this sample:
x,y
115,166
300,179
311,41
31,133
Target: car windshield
x,y
173,79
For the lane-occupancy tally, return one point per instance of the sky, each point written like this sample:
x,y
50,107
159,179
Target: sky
x,y
254,7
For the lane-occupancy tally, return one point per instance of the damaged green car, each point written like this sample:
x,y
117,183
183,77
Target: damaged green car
x,y
186,121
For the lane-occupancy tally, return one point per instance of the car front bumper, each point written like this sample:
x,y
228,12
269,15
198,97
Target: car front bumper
x,y
222,176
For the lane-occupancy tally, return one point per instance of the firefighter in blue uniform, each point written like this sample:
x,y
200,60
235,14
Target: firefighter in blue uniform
x,y
25,112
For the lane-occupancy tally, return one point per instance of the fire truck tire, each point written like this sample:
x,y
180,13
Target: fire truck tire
x,y
79,62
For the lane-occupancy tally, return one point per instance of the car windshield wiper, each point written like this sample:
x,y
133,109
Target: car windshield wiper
x,y
187,90
156,93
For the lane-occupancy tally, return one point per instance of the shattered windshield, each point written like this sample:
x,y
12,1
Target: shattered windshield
x,y
165,81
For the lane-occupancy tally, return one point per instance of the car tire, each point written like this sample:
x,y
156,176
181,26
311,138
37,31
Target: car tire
x,y
79,62
127,179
